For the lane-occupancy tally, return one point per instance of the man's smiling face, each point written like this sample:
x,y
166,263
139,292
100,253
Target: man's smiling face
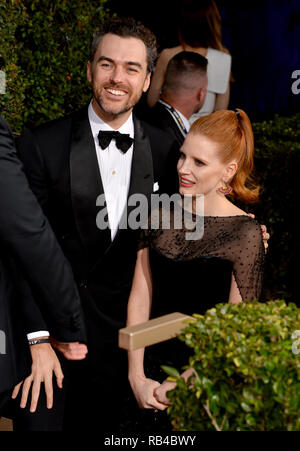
x,y
118,75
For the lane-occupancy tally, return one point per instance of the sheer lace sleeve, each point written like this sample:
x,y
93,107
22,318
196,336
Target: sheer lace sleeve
x,y
236,239
248,260
143,239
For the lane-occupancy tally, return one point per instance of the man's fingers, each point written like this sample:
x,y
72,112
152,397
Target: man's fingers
x,y
72,356
49,392
59,375
25,391
35,393
16,390
71,351
78,348
75,351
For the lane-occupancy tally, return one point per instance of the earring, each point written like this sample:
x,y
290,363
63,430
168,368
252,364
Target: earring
x,y
225,190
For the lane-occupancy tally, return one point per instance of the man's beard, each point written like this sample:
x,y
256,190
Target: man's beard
x,y
131,102
123,109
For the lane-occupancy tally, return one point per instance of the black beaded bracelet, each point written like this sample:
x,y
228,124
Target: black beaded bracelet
x,y
38,341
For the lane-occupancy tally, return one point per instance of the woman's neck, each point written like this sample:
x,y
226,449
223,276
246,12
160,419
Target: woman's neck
x,y
217,205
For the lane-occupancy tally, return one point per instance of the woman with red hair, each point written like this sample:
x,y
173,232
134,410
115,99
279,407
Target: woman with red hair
x,y
174,273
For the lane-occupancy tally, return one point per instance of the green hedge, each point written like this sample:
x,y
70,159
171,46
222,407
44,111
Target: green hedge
x,y
246,370
277,165
45,48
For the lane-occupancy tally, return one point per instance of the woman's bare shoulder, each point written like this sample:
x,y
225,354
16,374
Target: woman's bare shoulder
x,y
168,53
233,210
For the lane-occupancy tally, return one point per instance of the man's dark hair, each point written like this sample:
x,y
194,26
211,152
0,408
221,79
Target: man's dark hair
x,y
127,28
182,67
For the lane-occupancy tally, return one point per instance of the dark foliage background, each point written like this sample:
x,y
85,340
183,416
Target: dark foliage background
x,y
277,164
44,47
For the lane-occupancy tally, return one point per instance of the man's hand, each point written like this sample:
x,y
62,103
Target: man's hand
x,y
44,364
265,234
71,351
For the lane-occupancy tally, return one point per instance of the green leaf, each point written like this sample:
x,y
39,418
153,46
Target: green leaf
x,y
237,362
246,407
170,371
250,419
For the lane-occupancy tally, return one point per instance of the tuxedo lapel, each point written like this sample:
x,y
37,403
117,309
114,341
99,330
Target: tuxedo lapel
x,y
141,178
170,123
86,186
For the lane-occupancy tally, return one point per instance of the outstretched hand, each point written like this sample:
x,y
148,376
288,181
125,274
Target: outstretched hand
x,y
45,364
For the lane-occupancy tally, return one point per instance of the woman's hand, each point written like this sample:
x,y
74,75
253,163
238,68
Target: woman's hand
x,y
44,364
143,390
160,393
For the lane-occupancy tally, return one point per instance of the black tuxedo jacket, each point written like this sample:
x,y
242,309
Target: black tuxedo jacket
x,y
61,164
160,117
27,240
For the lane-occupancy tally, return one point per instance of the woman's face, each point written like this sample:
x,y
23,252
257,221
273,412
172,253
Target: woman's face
x,y
199,167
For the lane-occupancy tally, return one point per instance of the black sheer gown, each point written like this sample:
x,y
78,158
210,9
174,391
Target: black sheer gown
x,y
192,276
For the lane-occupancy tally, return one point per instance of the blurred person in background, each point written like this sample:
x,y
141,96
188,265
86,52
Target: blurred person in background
x,y
199,31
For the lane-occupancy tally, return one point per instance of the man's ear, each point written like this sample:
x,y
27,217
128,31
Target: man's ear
x,y
89,71
147,82
201,95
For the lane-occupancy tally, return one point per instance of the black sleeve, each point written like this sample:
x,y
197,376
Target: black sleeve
x,y
25,231
169,178
29,311
143,239
248,259
34,167
165,155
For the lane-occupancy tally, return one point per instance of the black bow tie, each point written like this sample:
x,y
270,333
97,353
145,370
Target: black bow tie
x,y
123,142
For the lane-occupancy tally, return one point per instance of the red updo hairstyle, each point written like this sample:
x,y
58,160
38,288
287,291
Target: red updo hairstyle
x,y
232,130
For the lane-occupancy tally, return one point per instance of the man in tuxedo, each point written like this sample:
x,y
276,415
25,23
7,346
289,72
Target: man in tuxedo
x,y
27,240
69,163
183,94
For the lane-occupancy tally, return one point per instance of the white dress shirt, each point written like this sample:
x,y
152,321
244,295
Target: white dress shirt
x,y
115,168
39,334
